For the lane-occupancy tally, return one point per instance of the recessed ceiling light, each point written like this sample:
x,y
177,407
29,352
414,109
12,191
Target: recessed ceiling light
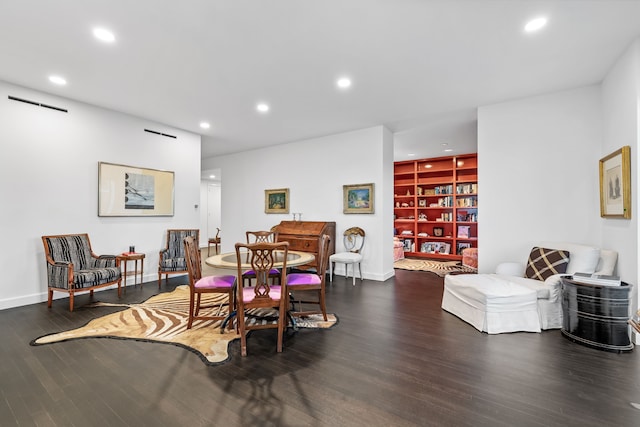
x,y
212,176
535,24
205,125
448,149
444,144
104,35
262,107
411,154
60,81
343,83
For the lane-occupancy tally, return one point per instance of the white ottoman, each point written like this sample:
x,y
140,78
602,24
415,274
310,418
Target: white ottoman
x,y
490,303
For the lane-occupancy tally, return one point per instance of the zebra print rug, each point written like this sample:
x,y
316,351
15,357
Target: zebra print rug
x,y
441,268
163,318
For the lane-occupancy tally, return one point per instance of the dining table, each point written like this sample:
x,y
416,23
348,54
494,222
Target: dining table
x,y
229,261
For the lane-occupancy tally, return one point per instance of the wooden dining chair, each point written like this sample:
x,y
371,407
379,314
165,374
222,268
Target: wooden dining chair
x,y
261,257
260,237
198,285
299,284
215,241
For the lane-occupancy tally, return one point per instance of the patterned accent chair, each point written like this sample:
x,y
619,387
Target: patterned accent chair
x,y
172,259
73,267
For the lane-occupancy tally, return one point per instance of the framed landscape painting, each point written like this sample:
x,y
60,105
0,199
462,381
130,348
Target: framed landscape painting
x,y
615,184
134,191
358,198
276,201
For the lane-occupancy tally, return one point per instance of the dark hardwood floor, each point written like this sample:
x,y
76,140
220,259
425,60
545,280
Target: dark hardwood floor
x,y
394,359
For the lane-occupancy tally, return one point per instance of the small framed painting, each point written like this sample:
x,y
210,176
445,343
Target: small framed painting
x,y
615,184
276,201
358,198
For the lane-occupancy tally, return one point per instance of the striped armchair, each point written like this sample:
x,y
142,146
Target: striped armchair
x,y
73,267
172,260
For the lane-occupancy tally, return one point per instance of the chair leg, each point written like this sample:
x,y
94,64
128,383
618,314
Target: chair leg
x,y
353,273
159,280
360,268
209,249
231,308
71,301
323,306
190,321
243,333
331,272
197,310
281,320
50,299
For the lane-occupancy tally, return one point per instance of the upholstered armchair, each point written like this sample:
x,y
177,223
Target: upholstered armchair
x,y
73,267
172,259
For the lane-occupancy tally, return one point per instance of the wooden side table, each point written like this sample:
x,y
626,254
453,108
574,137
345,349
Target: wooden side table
x,y
135,257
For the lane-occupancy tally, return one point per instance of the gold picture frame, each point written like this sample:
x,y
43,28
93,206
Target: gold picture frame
x,y
276,201
615,184
358,199
134,191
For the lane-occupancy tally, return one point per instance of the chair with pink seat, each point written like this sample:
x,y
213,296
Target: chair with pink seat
x,y
199,285
262,258
306,283
260,237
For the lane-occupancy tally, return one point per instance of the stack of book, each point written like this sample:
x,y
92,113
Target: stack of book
x,y
596,279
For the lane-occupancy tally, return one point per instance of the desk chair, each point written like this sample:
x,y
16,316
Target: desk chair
x,y
353,239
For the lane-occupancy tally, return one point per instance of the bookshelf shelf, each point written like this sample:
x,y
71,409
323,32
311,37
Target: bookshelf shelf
x,y
436,200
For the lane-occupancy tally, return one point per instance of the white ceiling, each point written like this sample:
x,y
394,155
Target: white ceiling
x,y
420,68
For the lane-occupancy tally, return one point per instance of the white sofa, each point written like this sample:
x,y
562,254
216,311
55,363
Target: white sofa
x,y
461,299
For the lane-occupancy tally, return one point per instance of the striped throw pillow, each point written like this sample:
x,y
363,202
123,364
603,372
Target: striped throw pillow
x,y
545,262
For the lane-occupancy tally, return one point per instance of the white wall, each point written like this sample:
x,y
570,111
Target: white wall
x,y
538,174
314,171
621,106
49,184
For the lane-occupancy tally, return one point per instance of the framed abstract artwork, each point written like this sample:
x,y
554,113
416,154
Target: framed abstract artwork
x,y
358,198
134,191
276,201
615,184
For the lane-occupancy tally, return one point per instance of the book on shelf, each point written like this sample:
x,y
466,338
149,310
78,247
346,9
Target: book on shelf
x,y
463,231
597,279
435,248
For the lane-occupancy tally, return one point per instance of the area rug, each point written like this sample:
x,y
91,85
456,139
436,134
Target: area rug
x,y
441,268
163,319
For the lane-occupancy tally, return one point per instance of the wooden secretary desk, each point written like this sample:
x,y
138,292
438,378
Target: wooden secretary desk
x,y
305,236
